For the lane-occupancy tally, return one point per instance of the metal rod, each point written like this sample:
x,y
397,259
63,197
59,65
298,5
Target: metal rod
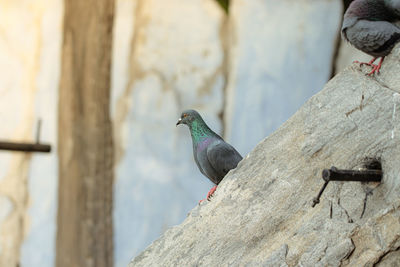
x,y
333,174
25,147
316,199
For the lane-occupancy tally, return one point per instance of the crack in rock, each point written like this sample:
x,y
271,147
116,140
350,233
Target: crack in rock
x,y
349,219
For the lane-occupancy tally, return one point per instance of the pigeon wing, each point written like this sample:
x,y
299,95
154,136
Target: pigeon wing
x,y
394,6
373,37
223,157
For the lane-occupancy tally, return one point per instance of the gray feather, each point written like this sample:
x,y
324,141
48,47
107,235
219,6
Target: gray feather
x,y
222,157
393,5
370,26
376,38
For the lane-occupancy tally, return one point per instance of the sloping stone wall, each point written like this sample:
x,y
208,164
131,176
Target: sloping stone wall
x,y
261,214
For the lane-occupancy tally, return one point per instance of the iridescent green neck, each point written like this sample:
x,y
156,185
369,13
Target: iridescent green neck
x,y
199,130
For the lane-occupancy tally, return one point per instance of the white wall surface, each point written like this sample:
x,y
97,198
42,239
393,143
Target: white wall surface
x,y
281,54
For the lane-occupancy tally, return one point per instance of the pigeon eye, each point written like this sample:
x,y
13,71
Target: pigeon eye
x,y
185,115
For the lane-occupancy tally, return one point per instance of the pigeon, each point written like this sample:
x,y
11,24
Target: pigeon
x,y
214,157
370,26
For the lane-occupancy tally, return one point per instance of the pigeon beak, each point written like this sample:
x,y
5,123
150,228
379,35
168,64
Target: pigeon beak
x,y
179,122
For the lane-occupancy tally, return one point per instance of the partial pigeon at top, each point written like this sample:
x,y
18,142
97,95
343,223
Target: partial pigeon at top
x,y
214,157
370,26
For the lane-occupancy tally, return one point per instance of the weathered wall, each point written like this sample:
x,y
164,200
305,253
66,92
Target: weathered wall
x,y
29,63
168,57
280,54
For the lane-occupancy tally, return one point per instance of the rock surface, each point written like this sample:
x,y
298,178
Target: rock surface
x,y
261,214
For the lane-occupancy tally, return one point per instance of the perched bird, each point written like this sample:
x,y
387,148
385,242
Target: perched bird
x,y
370,26
214,157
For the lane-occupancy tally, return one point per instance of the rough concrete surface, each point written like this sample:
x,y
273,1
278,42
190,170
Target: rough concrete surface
x,y
261,214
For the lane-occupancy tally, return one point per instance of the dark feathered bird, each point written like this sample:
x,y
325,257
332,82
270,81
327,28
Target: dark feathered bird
x,y
370,26
214,157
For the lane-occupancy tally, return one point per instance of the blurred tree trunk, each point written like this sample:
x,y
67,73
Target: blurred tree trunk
x,y
85,149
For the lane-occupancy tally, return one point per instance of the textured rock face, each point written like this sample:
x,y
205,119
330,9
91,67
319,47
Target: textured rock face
x,y
261,213
175,61
280,55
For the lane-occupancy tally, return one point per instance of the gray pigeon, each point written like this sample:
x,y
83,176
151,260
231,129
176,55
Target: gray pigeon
x,y
214,157
370,26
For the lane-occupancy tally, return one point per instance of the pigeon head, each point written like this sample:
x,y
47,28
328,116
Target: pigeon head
x,y
188,117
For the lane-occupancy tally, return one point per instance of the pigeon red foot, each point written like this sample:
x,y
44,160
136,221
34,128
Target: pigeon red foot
x,y
209,194
375,68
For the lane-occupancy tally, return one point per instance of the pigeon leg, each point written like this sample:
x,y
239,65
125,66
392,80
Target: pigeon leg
x,y
370,63
211,192
376,68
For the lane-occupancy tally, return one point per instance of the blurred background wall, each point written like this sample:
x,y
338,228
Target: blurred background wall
x,y
30,42
246,71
